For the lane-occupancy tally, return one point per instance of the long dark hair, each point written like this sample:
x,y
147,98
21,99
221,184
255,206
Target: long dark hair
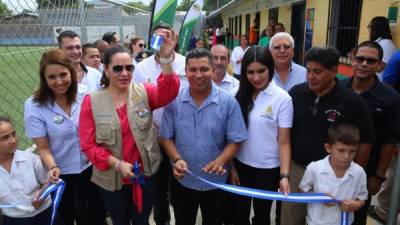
x,y
379,28
108,54
246,89
44,94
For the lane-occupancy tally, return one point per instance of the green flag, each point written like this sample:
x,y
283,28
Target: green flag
x,y
191,18
164,12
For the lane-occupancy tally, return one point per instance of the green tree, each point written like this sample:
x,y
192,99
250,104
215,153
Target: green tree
x,y
4,11
184,5
139,5
57,3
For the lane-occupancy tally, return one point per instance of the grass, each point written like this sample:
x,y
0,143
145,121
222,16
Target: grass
x,y
19,68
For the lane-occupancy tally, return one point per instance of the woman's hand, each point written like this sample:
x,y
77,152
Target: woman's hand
x,y
169,43
234,176
284,186
53,174
125,169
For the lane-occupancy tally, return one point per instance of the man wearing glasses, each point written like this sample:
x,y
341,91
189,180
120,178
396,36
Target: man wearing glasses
x,y
383,103
88,78
287,73
318,104
221,78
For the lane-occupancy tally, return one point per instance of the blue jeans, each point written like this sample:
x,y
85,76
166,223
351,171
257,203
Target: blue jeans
x,y
121,207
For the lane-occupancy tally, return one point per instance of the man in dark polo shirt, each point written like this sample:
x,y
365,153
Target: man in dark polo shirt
x,y
383,103
318,104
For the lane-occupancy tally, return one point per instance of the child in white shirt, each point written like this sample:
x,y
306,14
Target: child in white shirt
x,y
338,176
22,179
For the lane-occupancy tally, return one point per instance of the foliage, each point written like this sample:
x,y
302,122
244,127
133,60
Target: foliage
x,y
4,11
57,3
184,5
139,5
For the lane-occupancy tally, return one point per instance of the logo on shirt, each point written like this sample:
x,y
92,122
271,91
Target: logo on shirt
x,y
332,115
58,119
268,113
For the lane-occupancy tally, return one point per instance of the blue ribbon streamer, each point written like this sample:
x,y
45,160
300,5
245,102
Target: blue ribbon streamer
x,y
139,177
272,195
156,41
57,187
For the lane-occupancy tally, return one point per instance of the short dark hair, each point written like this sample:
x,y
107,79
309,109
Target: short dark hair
x,y
370,44
66,34
4,119
108,54
199,53
379,28
162,25
44,94
86,46
245,92
108,36
343,132
327,56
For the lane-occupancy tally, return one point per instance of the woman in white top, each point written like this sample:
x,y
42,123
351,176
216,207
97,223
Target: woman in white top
x,y
237,55
379,31
136,46
263,161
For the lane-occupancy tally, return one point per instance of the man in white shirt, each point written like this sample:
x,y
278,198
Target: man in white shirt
x,y
221,78
237,55
88,78
147,71
287,73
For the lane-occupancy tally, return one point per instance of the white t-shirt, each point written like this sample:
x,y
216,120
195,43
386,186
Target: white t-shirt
x,y
237,54
229,84
272,110
320,178
20,185
148,70
91,79
388,50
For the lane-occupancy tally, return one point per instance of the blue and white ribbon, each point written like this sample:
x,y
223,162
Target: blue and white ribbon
x,y
58,188
272,195
156,42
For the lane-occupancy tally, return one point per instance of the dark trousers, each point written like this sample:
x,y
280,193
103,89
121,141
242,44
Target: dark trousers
x,y
121,207
162,215
42,218
80,200
265,179
186,203
360,216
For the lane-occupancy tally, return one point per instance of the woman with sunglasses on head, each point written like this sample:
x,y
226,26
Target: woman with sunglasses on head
x,y
263,160
136,46
51,120
118,135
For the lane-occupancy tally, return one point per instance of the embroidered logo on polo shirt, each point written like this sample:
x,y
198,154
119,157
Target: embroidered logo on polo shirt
x,y
58,119
268,113
332,115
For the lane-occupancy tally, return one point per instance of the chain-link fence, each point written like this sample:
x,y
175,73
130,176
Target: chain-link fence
x,y
29,27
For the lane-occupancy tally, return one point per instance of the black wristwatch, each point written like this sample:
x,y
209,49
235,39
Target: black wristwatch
x,y
379,177
284,175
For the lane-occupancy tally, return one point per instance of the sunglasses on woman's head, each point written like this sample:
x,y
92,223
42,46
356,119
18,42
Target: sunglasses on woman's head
x,y
120,68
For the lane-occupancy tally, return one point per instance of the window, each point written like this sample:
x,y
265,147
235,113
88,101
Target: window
x,y
344,26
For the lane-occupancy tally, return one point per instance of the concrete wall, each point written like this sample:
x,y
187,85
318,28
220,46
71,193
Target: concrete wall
x,y
321,10
285,16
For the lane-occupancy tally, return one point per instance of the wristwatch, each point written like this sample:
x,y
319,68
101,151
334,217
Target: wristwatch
x,y
284,175
167,60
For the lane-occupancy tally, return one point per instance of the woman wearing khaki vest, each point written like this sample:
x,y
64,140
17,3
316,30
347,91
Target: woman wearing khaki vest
x,y
118,136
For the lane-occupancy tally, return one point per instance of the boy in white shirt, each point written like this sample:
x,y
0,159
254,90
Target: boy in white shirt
x,y
338,176
22,179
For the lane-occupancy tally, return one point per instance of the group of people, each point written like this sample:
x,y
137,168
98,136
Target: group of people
x,y
127,139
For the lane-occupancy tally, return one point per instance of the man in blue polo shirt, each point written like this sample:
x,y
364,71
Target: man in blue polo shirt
x,y
201,131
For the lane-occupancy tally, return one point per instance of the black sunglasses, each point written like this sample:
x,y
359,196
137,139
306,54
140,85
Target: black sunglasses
x,y
361,59
120,68
142,45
